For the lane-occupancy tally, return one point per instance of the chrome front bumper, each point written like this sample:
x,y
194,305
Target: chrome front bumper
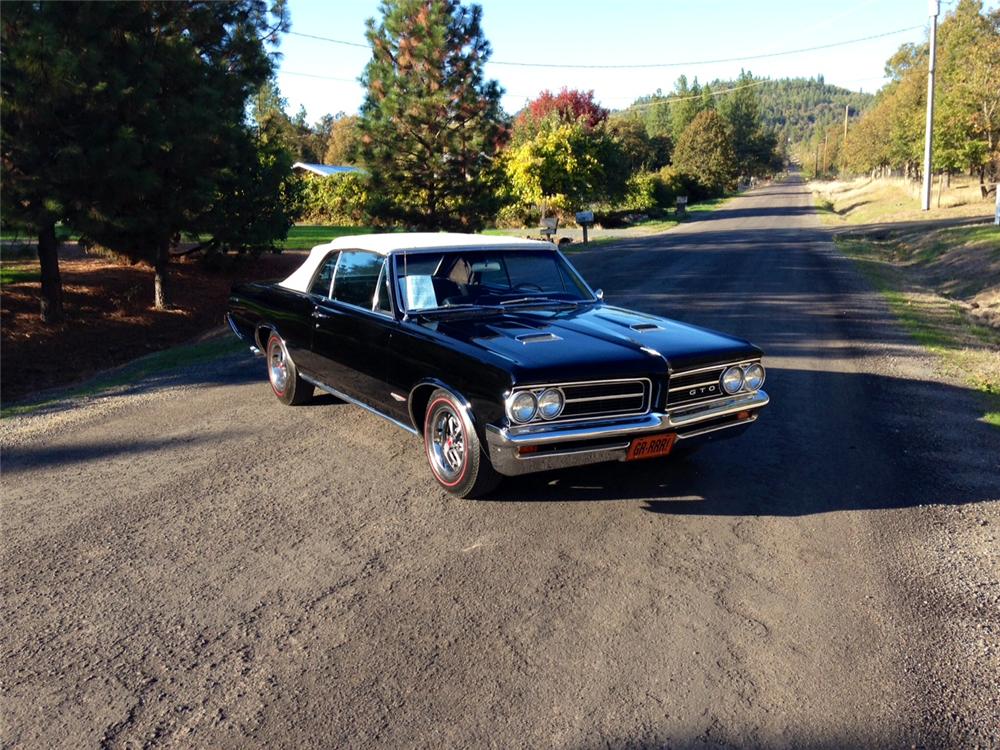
x,y
557,446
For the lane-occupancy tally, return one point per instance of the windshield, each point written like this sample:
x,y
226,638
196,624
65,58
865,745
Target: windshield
x,y
462,278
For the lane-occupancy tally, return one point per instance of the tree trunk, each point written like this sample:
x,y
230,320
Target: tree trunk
x,y
160,275
48,261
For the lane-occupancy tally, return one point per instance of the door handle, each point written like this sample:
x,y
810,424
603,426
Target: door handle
x,y
320,315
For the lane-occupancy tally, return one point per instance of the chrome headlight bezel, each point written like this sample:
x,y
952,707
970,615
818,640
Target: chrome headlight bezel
x,y
754,382
736,371
547,395
511,406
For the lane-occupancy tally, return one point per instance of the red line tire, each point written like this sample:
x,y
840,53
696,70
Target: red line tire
x,y
453,450
289,388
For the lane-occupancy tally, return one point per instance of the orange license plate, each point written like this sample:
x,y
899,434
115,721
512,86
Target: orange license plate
x,y
650,447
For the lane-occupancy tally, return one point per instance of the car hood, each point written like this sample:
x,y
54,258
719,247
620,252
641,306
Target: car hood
x,y
594,341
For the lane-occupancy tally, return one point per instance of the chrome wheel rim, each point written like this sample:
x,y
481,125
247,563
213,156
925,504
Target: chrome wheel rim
x,y
277,366
447,444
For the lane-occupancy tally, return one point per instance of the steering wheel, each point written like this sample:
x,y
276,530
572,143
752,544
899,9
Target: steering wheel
x,y
527,287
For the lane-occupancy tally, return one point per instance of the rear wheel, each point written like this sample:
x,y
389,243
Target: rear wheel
x,y
453,449
285,381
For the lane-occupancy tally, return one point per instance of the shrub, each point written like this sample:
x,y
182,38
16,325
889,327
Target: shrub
x,y
641,192
340,200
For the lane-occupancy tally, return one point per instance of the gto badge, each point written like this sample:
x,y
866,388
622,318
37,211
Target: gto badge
x,y
703,389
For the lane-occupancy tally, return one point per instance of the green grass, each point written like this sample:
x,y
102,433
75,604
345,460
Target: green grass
x,y
966,350
153,364
64,234
13,273
307,236
711,204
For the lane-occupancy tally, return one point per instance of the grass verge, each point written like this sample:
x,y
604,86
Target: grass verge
x,y
967,351
887,201
13,273
307,236
145,367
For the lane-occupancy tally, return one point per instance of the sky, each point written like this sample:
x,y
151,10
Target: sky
x,y
322,76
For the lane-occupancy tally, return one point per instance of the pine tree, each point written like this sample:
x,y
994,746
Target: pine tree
x,y
752,143
177,78
141,110
430,123
42,160
685,105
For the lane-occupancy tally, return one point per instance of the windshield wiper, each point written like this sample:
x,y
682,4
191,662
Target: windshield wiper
x,y
539,301
435,312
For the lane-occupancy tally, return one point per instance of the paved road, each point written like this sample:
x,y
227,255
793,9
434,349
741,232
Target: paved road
x,y
192,564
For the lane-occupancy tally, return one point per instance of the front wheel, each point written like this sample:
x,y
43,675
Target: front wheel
x,y
453,449
284,377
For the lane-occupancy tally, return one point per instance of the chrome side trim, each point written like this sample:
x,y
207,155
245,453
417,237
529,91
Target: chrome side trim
x,y
232,326
344,397
434,382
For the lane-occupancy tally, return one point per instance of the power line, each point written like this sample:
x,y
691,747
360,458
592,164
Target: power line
x,y
328,39
668,99
315,75
708,62
636,66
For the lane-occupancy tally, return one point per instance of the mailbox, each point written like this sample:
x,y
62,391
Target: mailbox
x,y
585,219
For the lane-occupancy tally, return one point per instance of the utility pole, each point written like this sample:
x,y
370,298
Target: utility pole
x,y
933,7
816,168
826,137
847,110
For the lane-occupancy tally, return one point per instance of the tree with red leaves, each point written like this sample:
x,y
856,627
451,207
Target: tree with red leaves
x,y
569,106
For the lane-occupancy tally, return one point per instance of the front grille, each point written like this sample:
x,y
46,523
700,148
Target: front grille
x,y
600,398
698,384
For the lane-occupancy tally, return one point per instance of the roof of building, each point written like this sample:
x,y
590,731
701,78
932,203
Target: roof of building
x,y
326,170
392,242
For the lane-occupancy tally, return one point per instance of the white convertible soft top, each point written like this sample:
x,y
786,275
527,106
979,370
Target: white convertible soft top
x,y
384,244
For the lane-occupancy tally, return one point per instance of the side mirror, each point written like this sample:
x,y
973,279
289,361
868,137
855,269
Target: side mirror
x,y
599,293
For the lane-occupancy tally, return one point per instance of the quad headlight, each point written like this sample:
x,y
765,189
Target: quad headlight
x,y
732,380
753,377
525,406
522,406
550,403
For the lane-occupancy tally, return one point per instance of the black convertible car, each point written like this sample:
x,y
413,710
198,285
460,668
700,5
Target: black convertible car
x,y
497,352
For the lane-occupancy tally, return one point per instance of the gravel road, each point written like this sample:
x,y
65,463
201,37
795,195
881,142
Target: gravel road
x,y
191,564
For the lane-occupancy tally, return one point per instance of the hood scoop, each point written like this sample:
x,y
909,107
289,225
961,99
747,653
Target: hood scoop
x,y
645,327
537,338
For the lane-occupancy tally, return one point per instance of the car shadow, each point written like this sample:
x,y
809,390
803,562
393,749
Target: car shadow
x,y
809,453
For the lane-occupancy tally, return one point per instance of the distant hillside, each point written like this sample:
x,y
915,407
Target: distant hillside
x,y
790,106
793,106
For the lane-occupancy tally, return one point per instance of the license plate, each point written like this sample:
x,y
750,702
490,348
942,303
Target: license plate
x,y
650,447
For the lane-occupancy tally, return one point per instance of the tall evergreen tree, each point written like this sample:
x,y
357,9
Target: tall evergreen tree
x,y
181,76
685,105
43,54
751,142
430,122
151,116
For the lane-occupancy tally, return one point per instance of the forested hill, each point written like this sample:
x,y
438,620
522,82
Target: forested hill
x,y
791,107
795,105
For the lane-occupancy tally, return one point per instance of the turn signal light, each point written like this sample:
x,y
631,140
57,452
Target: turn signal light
x,y
527,449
